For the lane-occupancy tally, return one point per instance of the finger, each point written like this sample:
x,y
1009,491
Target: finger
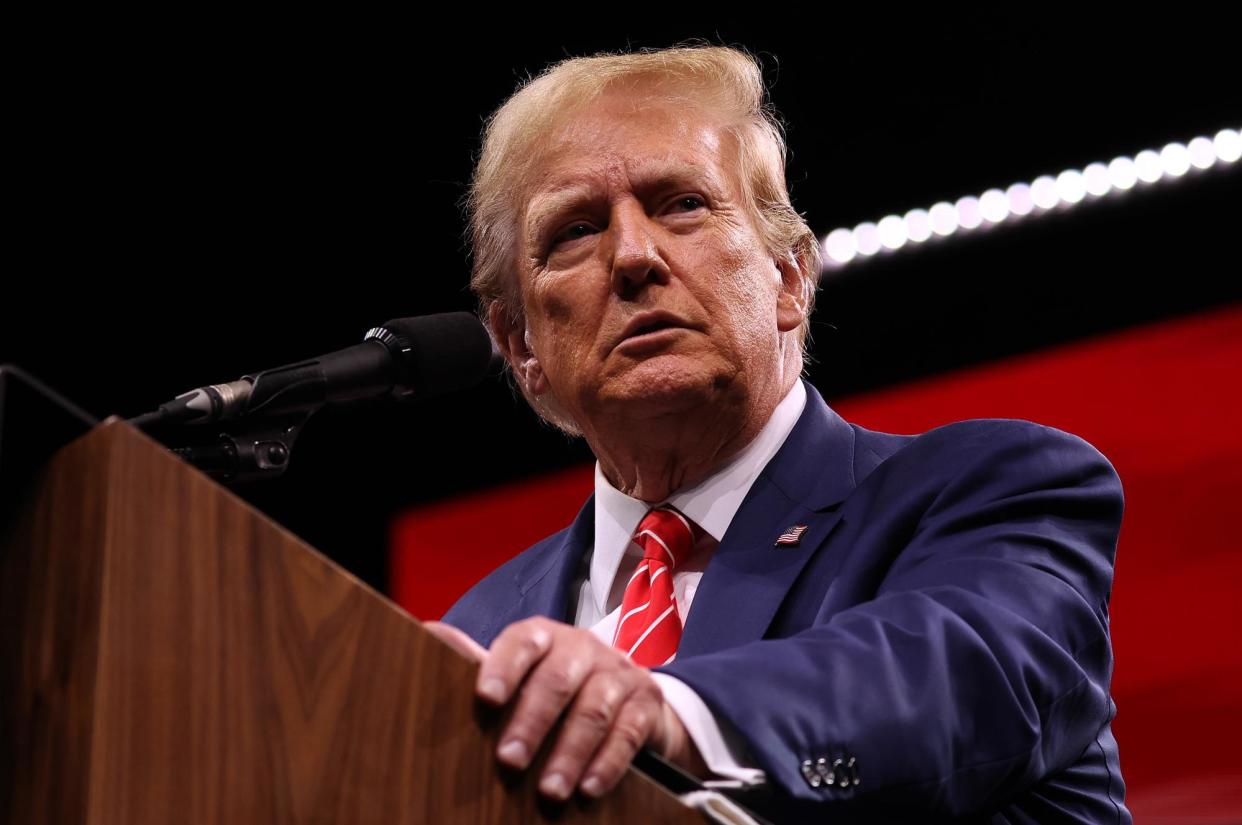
x,y
548,690
456,639
629,733
586,726
518,647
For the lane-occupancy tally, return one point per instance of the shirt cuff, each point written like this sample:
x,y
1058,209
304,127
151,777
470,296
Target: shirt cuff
x,y
721,747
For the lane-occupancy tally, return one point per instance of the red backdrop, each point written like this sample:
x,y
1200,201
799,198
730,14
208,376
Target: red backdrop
x,y
1163,402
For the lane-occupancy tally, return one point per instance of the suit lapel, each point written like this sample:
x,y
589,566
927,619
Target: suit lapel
x,y
544,583
749,575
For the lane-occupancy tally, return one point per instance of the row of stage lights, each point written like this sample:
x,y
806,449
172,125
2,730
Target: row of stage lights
x,y
995,206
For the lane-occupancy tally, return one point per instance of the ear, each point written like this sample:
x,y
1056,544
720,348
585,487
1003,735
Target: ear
x,y
791,302
513,341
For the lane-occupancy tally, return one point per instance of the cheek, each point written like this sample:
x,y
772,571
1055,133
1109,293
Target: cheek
x,y
744,295
562,310
564,326
569,297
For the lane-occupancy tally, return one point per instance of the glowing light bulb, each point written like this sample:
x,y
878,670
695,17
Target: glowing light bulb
x,y
1228,145
867,238
1070,186
1019,196
1147,164
1044,192
840,246
1122,174
1202,153
892,231
918,225
943,219
1175,160
968,215
1095,179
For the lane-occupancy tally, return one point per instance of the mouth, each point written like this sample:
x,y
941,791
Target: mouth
x,y
647,326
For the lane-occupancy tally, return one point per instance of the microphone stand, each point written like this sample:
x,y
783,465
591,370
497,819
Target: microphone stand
x,y
258,449
273,407
406,358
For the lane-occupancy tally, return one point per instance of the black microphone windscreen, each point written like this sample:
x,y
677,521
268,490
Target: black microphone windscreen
x,y
444,353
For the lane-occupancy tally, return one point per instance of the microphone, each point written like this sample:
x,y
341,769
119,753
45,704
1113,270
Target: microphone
x,y
410,359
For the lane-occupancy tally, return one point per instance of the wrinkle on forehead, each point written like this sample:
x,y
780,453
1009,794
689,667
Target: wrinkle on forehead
x,y
583,159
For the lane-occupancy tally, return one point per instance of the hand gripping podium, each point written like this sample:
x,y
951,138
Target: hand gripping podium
x,y
170,655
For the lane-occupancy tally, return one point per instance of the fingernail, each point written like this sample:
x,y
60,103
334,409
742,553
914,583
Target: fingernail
x,y
514,753
555,786
592,786
493,690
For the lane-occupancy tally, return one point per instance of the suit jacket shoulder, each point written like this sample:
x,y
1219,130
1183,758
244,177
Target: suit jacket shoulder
x,y
951,447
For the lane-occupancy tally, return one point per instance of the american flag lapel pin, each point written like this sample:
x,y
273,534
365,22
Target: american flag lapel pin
x,y
792,537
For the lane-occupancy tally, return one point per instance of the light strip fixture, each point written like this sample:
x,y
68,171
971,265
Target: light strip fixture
x,y
1072,187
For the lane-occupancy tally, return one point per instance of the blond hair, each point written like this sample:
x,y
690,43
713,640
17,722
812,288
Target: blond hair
x,y
721,79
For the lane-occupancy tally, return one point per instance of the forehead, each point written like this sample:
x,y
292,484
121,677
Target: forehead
x,y
626,139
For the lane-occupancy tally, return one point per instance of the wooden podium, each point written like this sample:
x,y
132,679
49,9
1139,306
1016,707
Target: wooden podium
x,y
169,655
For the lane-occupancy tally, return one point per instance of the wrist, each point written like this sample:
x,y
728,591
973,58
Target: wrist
x,y
679,747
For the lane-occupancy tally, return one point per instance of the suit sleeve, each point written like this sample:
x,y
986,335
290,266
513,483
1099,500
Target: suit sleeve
x,y
982,662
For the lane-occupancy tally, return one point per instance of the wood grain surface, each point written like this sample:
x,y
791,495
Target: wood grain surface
x,y
178,658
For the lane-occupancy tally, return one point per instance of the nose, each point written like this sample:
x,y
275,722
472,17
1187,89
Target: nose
x,y
636,257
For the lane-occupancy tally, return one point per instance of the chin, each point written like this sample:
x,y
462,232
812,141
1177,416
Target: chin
x,y
665,385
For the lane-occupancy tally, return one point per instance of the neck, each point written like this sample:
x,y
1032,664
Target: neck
x,y
651,458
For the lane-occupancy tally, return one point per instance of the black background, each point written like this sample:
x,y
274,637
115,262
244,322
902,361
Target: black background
x,y
196,198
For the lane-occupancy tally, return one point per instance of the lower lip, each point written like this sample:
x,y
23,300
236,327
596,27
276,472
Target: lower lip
x,y
638,344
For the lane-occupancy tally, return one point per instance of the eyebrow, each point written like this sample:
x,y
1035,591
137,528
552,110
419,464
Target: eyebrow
x,y
545,206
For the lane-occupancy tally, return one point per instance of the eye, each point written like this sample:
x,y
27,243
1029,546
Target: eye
x,y
688,203
573,232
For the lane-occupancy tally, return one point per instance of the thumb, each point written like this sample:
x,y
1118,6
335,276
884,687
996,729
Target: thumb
x,y
457,640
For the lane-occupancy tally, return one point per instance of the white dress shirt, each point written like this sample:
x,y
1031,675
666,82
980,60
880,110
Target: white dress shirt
x,y
711,504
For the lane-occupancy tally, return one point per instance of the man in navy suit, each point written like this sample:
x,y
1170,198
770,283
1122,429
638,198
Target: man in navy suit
x,y
871,626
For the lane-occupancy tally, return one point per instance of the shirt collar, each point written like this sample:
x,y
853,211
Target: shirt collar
x,y
711,503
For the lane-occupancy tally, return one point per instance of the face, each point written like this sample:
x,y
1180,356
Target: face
x,y
645,285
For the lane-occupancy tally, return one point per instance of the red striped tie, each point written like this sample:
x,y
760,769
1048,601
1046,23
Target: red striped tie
x,y
649,629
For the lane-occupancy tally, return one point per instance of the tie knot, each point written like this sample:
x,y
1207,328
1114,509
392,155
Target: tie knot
x,y
667,536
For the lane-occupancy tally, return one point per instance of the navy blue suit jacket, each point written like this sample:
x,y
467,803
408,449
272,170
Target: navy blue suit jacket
x,y
939,633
